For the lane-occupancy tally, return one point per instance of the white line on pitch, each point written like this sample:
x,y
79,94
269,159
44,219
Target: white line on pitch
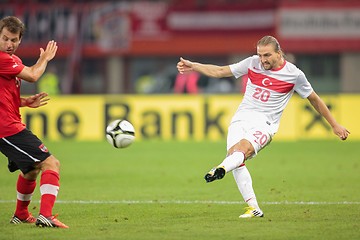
x,y
190,202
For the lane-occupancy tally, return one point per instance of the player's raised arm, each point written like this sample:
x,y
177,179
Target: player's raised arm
x,y
33,73
210,70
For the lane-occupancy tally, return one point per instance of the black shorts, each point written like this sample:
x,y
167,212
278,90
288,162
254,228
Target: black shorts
x,y
23,150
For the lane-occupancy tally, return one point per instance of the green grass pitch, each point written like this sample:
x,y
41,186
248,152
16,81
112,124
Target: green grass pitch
x,y
156,190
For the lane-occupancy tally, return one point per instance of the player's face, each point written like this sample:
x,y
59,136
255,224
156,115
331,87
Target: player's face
x,y
268,57
9,42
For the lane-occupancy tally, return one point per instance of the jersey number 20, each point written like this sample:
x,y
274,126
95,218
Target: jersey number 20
x,y
260,138
261,94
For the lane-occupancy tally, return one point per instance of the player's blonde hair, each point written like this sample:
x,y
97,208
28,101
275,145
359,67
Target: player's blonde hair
x,y
266,40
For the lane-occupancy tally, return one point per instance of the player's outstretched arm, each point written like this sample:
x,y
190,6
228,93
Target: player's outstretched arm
x,y
210,70
322,109
33,73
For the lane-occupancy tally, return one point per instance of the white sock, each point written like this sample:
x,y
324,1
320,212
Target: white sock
x,y
244,182
233,161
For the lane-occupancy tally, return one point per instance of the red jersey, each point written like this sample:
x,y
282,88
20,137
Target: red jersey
x,y
10,118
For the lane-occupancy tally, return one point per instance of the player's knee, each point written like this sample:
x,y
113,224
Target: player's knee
x,y
32,175
51,163
243,146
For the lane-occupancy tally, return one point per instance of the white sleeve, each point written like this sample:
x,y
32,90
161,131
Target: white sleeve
x,y
241,68
302,86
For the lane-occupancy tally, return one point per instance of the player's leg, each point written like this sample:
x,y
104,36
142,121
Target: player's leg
x,y
235,158
26,152
49,188
237,155
25,187
238,150
15,148
258,137
49,184
244,183
243,178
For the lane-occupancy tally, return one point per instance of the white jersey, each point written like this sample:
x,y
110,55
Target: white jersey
x,y
268,91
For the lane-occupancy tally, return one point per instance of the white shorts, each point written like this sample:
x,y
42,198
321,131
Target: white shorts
x,y
258,133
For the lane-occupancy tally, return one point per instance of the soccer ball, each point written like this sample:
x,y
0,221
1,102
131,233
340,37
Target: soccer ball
x,y
120,133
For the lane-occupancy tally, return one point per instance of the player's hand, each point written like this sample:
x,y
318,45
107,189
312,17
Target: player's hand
x,y
37,100
184,65
50,51
341,132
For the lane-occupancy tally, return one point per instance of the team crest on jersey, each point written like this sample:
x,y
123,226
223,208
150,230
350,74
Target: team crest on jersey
x,y
43,148
266,82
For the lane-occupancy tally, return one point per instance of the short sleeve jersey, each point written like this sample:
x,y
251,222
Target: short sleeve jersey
x,y
269,91
10,118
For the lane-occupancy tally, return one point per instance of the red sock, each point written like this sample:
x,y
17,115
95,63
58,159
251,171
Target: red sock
x,y
25,189
49,187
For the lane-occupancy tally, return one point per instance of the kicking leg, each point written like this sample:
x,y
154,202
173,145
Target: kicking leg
x,y
235,157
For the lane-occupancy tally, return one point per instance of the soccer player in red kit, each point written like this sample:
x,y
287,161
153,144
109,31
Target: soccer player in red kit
x,y
271,82
25,152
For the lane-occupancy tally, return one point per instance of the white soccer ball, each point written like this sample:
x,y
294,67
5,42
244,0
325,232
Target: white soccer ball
x,y
120,133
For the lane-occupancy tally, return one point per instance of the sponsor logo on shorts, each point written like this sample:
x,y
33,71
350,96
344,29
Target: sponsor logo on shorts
x,y
43,148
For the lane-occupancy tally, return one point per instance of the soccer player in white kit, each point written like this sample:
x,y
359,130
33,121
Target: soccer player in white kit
x,y
271,82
